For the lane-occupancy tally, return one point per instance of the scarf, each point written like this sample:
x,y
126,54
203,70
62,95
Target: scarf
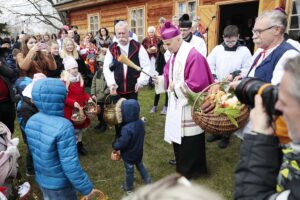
x,y
91,67
188,38
231,48
74,79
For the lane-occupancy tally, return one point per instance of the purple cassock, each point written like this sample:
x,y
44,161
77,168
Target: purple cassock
x,y
197,74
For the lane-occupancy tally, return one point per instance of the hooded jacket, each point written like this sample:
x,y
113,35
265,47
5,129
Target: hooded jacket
x,y
51,140
131,140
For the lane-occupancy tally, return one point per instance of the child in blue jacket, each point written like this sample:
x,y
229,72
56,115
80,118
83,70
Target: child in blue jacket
x,y
131,141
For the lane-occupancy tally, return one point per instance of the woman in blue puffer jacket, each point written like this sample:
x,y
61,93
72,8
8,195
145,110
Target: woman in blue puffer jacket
x,y
51,141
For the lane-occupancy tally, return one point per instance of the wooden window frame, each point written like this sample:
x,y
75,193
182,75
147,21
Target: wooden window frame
x,y
89,22
290,11
177,2
143,7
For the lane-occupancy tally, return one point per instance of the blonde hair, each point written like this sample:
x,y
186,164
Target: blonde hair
x,y
64,52
65,76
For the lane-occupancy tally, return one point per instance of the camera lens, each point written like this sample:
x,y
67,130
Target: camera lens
x,y
249,87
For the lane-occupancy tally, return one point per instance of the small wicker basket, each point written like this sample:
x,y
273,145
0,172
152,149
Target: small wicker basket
x,y
109,114
78,117
91,109
217,124
98,195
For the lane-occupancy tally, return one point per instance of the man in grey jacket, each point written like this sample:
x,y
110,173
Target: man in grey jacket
x,y
263,171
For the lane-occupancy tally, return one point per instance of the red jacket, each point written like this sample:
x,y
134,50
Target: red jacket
x,y
77,94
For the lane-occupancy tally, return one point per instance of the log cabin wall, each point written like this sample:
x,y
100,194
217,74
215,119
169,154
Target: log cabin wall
x,y
154,9
109,10
209,8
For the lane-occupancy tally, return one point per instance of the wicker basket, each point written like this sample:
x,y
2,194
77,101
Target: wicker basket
x,y
218,124
98,195
91,109
109,114
78,117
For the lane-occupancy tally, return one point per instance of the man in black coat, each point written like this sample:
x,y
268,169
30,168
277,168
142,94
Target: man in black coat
x,y
7,94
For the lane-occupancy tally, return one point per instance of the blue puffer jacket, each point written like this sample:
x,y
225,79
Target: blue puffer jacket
x,y
131,140
51,140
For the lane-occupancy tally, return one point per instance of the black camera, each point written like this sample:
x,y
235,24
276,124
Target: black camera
x,y
249,87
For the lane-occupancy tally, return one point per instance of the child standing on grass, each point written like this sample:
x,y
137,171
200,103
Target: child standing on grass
x,y
131,141
99,92
76,98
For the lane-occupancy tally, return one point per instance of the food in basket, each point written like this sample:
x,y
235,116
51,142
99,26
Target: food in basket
x,y
218,101
77,117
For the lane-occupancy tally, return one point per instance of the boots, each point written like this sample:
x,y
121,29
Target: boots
x,y
153,109
81,150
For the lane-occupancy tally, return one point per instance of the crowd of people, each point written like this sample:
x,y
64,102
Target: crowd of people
x,y
47,80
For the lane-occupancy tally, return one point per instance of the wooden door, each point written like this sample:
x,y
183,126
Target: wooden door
x,y
206,13
270,5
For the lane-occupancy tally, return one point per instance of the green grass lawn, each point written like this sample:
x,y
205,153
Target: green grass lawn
x,y
108,175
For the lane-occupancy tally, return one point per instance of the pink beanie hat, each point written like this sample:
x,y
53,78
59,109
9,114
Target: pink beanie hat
x,y
69,63
169,31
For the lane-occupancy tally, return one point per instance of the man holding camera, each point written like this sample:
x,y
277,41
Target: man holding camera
x,y
262,173
273,52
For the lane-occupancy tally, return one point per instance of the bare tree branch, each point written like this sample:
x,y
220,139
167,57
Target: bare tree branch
x,y
39,12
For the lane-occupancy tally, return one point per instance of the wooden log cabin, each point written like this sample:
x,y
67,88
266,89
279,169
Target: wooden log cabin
x,y
90,15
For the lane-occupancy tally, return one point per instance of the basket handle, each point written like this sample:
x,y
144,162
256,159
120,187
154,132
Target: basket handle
x,y
109,96
209,86
94,192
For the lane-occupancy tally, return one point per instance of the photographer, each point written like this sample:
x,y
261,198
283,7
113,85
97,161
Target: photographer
x,y
262,172
34,57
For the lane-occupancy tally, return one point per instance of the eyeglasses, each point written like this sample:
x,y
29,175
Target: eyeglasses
x,y
259,31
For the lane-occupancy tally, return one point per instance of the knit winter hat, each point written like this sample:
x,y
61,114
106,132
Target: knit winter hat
x,y
91,55
169,31
28,89
184,21
70,63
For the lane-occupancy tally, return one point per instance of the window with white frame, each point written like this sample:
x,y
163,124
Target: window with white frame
x,y
93,23
294,20
188,7
137,22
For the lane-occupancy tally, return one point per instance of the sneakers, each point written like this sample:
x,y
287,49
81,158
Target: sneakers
x,y
29,173
224,142
81,150
164,110
153,109
98,126
125,189
172,162
213,138
24,191
101,128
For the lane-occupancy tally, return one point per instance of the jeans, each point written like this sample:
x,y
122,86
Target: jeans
x,y
129,172
68,193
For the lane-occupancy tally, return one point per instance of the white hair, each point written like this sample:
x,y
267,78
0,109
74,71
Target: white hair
x,y
277,18
122,24
151,29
